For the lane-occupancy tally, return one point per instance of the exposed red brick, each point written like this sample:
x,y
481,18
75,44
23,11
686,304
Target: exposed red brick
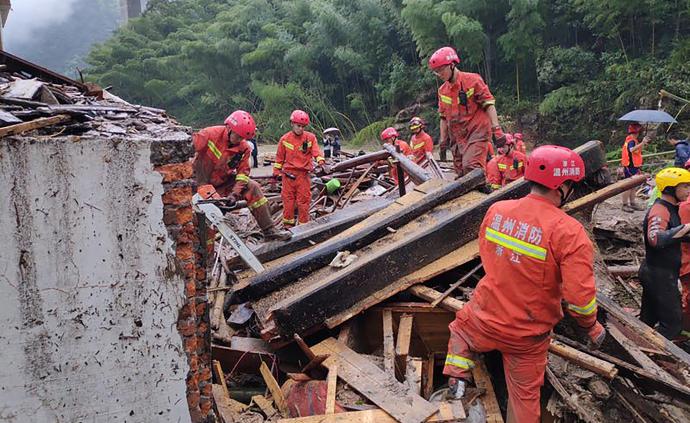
x,y
204,373
187,327
180,196
190,344
193,363
193,398
201,274
190,289
205,406
206,389
184,251
192,383
175,171
188,310
201,328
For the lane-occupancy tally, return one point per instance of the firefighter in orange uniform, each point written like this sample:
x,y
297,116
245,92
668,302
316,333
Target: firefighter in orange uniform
x,y
390,136
519,143
507,166
468,113
296,151
535,256
684,213
221,166
421,143
631,160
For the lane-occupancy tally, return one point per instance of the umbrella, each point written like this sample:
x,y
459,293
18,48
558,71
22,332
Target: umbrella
x,y
648,116
327,130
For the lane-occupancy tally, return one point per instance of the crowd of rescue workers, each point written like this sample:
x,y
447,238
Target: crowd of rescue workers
x,y
535,256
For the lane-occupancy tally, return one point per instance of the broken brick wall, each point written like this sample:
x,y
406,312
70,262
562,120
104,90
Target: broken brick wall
x,y
102,289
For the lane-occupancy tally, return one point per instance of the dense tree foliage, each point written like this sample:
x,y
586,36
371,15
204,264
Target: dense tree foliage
x,y
573,65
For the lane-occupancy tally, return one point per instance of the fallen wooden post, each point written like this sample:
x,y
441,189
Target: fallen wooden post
x,y
360,160
446,414
353,188
570,400
331,387
596,365
424,198
378,386
603,194
417,174
624,271
31,125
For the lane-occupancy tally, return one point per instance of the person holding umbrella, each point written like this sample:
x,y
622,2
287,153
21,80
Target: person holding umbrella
x,y
331,142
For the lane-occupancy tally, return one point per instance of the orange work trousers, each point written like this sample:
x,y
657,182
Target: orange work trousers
x,y
524,363
467,157
251,193
685,303
296,192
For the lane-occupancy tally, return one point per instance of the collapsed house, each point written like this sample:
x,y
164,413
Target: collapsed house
x,y
114,308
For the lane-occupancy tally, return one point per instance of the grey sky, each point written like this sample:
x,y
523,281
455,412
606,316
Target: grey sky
x,y
29,15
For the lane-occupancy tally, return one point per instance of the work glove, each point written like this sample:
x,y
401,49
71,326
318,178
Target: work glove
x,y
597,334
326,168
443,154
456,388
498,136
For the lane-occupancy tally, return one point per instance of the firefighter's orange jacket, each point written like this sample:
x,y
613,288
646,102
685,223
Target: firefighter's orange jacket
x,y
505,168
226,164
296,152
534,256
467,123
421,144
630,142
684,213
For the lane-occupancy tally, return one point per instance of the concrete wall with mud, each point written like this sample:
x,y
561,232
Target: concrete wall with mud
x,y
90,291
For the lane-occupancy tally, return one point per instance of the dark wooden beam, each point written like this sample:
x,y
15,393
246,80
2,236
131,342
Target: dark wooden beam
x,y
316,231
416,173
367,231
360,160
434,235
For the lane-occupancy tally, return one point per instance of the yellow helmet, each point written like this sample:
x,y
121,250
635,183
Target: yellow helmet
x,y
671,177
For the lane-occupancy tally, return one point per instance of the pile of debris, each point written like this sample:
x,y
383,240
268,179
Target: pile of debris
x,y
33,98
360,310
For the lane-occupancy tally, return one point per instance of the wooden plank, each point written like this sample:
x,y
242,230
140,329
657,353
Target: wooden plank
x,y
454,286
416,173
378,386
570,400
388,342
483,381
413,374
34,124
265,405
430,294
344,334
642,359
415,204
360,160
221,377
331,381
603,194
402,347
598,366
448,262
428,381
276,392
444,415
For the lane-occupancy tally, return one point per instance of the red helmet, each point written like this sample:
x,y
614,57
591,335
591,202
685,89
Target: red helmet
x,y
389,132
510,139
241,123
552,165
634,128
443,56
300,117
518,136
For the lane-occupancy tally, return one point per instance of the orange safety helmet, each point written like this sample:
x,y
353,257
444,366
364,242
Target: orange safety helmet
x,y
518,136
443,56
300,117
634,128
241,123
552,165
416,123
389,132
